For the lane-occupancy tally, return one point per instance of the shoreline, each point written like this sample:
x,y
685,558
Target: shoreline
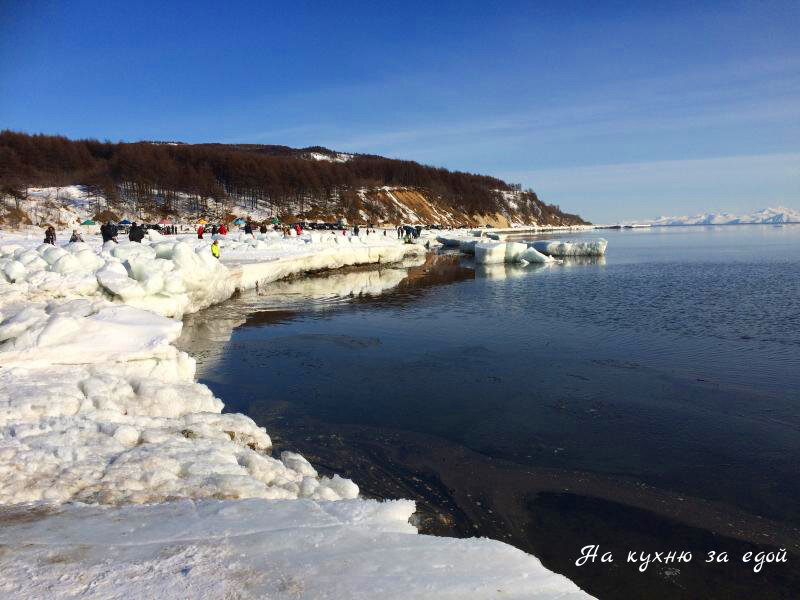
x,y
441,476
156,417
462,492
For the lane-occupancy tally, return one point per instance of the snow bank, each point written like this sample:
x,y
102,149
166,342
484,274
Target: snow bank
x,y
102,408
354,549
563,249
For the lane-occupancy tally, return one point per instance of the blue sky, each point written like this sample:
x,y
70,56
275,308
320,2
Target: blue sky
x,y
612,110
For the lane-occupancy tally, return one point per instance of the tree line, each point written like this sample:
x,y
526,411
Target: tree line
x,y
174,177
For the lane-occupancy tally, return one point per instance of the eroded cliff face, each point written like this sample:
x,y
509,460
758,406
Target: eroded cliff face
x,y
395,205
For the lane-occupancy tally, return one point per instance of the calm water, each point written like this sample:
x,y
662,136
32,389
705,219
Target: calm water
x,y
674,362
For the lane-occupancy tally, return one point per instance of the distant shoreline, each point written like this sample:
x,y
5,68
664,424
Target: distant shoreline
x,y
649,225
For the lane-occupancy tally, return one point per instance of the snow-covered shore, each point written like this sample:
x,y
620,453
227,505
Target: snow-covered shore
x,y
120,476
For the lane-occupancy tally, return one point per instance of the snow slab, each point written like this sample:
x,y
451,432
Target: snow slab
x,y
354,549
121,477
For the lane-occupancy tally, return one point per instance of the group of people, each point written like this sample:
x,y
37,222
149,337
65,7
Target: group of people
x,y
247,228
221,230
407,231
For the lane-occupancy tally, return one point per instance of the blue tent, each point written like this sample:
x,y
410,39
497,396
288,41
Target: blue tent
x,y
124,222
239,221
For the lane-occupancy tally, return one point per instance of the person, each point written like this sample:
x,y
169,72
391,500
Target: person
x,y
399,231
136,234
76,237
355,229
200,232
215,249
50,235
214,230
263,228
298,229
248,228
109,232
223,229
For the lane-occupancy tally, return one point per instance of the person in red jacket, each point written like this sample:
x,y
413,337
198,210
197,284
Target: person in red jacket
x,y
223,230
298,229
200,232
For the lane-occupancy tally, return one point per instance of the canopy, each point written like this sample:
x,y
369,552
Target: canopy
x,y
124,222
165,222
275,221
239,221
202,222
88,222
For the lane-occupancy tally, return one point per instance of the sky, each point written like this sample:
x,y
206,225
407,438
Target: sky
x,y
613,110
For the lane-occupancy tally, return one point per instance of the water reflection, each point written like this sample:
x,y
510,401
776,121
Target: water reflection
x,y
207,334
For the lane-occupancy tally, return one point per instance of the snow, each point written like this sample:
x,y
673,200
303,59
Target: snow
x,y
105,431
354,549
334,157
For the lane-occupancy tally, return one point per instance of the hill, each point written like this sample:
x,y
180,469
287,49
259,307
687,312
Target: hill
x,y
41,175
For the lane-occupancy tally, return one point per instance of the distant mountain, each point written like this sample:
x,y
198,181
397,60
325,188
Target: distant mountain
x,y
765,216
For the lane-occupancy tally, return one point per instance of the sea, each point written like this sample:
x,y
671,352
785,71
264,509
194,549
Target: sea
x,y
646,401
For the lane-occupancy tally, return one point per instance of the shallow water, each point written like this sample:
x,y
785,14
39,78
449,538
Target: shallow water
x,y
672,363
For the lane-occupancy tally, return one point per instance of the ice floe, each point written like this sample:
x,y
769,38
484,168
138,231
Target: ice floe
x,y
563,249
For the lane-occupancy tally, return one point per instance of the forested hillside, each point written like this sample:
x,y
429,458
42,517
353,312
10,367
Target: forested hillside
x,y
148,179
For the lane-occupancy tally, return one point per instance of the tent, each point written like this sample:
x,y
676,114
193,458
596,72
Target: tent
x,y
165,222
124,222
239,221
88,222
202,222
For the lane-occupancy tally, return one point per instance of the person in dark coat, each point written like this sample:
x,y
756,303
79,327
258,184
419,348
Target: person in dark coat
x,y
214,230
109,232
136,234
248,229
50,235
